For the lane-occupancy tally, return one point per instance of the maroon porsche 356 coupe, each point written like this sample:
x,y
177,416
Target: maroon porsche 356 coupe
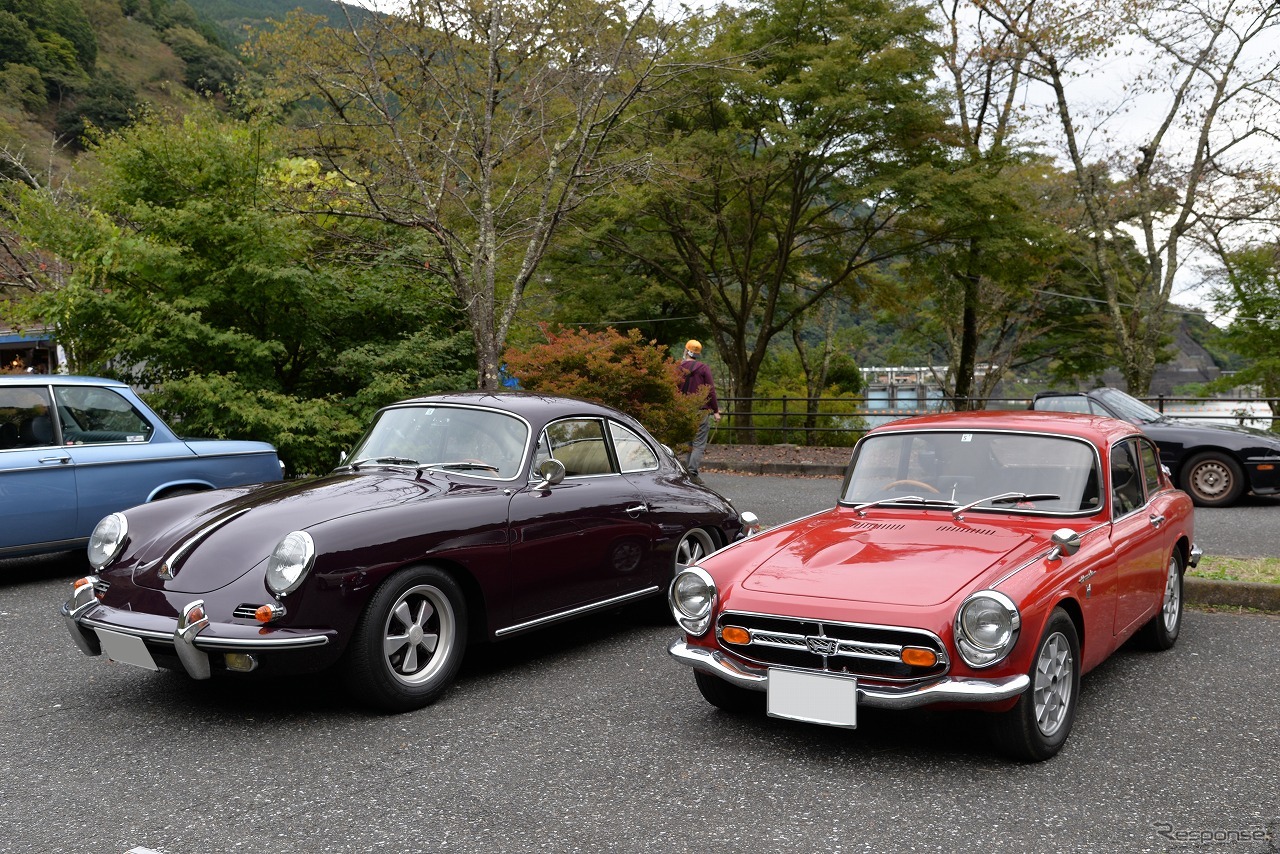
x,y
457,517
983,560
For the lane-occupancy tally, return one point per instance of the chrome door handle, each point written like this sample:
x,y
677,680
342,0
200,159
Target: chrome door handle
x,y
62,460
1156,521
639,508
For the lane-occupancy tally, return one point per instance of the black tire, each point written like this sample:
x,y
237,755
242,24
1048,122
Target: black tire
x,y
728,697
1036,728
1213,479
425,608
1161,631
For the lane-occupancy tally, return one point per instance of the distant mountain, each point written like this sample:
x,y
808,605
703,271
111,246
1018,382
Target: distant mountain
x,y
239,17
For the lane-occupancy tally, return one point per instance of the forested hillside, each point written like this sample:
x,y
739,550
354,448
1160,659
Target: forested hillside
x,y
66,64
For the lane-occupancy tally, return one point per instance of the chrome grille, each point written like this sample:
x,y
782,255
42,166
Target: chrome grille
x,y
857,649
100,587
246,612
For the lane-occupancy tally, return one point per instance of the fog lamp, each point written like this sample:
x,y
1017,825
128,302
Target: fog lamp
x,y
241,662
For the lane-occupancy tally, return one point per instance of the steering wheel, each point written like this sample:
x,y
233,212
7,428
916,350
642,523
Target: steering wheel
x,y
914,483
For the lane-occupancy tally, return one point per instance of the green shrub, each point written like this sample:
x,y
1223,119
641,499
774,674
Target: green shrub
x,y
622,371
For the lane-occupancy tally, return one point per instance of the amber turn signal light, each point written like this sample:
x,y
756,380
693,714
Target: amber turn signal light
x,y
919,656
80,582
195,615
733,634
267,613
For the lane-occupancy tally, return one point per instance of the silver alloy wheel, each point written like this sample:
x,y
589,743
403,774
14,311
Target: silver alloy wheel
x,y
1052,684
693,547
1211,479
418,634
1172,597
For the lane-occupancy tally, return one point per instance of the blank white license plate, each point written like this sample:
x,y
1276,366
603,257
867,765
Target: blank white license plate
x,y
125,649
813,697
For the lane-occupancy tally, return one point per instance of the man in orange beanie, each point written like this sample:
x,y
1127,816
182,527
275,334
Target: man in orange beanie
x,y
697,376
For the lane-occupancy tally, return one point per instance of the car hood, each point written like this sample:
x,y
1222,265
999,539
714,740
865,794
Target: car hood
x,y
241,527
1263,437
914,561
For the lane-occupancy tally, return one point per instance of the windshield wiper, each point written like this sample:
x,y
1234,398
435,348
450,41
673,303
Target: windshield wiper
x,y
381,461
1006,498
861,509
462,466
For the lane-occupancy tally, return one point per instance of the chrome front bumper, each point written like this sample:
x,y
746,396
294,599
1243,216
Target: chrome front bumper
x,y
188,634
946,690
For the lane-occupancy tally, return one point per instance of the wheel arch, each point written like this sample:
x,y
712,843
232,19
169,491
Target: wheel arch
x,y
477,612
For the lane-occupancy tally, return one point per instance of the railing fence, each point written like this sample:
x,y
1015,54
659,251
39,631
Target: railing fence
x,y
841,421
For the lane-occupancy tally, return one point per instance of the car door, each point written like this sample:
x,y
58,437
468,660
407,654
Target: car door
x,y
579,541
38,502
111,443
1139,548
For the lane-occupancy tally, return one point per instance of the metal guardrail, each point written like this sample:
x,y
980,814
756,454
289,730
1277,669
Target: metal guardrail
x,y
840,421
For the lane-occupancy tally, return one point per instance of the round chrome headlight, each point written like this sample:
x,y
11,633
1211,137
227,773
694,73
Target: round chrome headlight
x,y
986,628
289,562
692,596
107,540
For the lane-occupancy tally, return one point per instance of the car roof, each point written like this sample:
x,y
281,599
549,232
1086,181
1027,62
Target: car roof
x,y
529,405
59,379
1098,429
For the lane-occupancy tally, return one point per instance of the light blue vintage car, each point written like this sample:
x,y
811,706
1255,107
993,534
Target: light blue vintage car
x,y
74,449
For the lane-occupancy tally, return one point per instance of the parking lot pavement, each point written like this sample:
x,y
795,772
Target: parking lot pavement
x,y
589,738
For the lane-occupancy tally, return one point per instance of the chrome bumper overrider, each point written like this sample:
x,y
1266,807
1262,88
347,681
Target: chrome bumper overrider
x,y
947,690
83,613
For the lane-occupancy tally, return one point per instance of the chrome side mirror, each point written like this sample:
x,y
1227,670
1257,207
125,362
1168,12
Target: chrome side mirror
x,y
550,472
1065,541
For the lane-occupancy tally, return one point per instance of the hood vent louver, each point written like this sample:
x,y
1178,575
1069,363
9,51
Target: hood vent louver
x,y
883,526
956,529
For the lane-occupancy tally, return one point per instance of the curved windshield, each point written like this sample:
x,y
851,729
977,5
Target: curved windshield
x,y
1129,408
479,442
1053,474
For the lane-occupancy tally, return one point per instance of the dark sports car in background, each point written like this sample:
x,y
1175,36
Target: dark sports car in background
x,y
456,518
1213,463
983,560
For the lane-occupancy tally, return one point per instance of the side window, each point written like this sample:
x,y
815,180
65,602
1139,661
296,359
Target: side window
x,y
95,416
579,443
1150,466
1126,480
24,418
633,453
1063,403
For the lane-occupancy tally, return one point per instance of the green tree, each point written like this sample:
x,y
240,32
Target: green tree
x,y
1198,160
781,180
477,125
1249,290
188,277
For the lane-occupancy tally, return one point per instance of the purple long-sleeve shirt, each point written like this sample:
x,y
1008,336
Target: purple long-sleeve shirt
x,y
696,377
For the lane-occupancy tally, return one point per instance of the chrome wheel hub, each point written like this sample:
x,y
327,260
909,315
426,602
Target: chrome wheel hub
x,y
1172,598
1051,684
418,634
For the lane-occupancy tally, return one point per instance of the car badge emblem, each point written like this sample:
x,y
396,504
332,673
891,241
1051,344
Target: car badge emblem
x,y
822,646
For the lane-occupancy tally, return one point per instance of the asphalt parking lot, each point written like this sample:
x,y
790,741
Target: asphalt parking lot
x,y
588,738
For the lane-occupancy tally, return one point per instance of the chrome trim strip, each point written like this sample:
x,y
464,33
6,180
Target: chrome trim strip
x,y
1039,556
47,546
234,644
581,609
169,562
956,689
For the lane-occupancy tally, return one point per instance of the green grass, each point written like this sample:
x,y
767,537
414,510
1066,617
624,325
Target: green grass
x,y
1265,570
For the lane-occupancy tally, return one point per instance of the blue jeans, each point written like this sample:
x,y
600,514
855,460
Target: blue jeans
x,y
699,444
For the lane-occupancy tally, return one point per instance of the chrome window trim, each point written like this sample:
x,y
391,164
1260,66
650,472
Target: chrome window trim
x,y
1097,461
528,445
